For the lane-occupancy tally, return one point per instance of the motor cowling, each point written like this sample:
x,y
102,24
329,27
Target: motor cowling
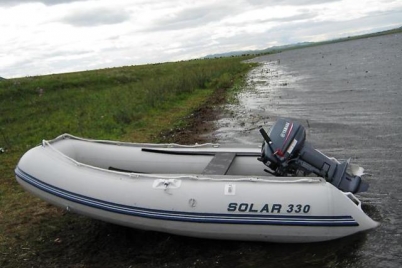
x,y
286,152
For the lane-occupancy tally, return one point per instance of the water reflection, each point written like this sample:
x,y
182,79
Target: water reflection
x,y
260,104
348,96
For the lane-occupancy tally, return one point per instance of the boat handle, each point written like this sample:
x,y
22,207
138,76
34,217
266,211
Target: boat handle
x,y
354,199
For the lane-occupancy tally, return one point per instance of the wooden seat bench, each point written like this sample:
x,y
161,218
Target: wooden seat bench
x,y
219,164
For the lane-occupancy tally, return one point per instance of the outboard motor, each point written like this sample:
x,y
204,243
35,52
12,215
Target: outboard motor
x,y
286,153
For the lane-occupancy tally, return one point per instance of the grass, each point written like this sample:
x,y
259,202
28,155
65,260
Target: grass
x,y
105,103
133,103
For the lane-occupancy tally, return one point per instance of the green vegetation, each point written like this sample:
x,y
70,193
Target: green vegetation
x,y
130,103
105,104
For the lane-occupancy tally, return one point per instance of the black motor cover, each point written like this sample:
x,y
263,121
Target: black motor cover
x,y
286,152
287,137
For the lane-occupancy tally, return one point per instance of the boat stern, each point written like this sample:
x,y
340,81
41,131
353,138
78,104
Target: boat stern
x,y
365,222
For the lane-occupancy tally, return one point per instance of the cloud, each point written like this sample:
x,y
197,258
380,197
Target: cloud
x,y
193,17
303,15
45,2
95,17
71,35
331,29
289,2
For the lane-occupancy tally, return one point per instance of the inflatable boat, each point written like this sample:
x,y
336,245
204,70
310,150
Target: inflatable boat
x,y
273,192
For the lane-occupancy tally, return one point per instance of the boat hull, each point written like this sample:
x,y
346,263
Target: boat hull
x,y
235,207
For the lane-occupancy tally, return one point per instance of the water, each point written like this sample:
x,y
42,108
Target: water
x,y
349,97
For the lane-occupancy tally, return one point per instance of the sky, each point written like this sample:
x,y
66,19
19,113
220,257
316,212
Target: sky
x,y
39,37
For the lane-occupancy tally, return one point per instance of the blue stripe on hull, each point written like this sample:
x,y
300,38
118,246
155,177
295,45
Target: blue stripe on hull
x,y
251,219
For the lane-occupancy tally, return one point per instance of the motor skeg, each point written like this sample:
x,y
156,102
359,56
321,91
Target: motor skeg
x,y
287,153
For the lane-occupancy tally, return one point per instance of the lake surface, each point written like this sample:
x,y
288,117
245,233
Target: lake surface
x,y
349,97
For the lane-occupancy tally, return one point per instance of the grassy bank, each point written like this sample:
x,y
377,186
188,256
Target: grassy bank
x,y
134,103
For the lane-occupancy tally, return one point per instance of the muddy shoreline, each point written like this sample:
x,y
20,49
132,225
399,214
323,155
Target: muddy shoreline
x,y
200,124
